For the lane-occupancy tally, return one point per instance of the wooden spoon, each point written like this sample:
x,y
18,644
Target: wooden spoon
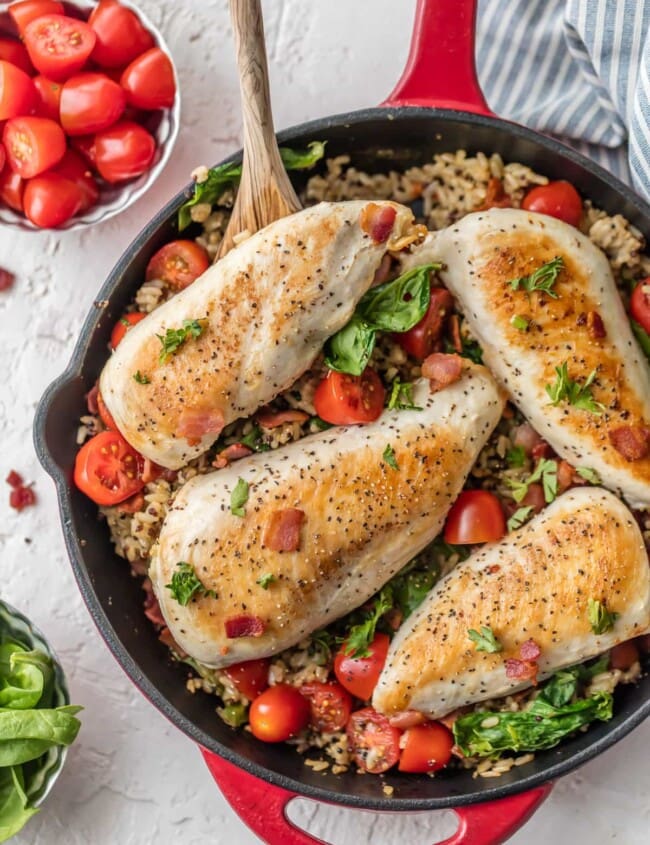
x,y
265,193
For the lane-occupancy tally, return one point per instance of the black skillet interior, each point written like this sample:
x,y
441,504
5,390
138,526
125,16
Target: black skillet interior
x,y
377,140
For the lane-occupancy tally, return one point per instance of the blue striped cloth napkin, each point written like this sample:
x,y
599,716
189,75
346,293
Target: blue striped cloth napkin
x,y
576,69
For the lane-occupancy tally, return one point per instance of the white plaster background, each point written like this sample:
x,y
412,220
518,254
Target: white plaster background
x,y
132,778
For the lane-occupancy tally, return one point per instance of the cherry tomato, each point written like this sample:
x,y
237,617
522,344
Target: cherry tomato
x,y
58,46
624,655
640,305
427,748
557,199
476,517
178,263
250,677
3,156
359,675
124,150
373,741
49,93
28,10
149,81
12,187
330,705
107,469
344,400
122,326
90,102
50,200
424,337
278,713
85,146
17,92
120,35
33,145
73,167
14,52
105,415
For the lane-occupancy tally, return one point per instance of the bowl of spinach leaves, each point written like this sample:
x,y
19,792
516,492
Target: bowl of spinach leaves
x,y
37,721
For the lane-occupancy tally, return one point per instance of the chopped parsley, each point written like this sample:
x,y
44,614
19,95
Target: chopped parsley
x,y
254,440
485,640
360,636
239,497
141,378
401,396
516,456
389,457
600,619
519,322
173,339
125,322
589,475
576,394
185,584
319,424
546,472
541,279
518,518
266,580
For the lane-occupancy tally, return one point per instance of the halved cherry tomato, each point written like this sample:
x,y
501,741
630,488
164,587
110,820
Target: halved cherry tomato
x,y
14,52
342,399
122,326
424,337
120,35
178,263
90,102
278,713
33,144
250,677
476,517
123,151
107,469
3,156
17,92
105,416
557,199
426,748
28,10
49,93
50,200
330,705
58,45
373,741
73,167
624,655
640,304
149,81
359,675
12,187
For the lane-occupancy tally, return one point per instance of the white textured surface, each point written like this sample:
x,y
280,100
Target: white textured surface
x,y
132,778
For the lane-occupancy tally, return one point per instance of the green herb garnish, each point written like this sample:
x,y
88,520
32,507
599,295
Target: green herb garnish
x,y
485,640
389,457
600,619
579,395
254,440
546,472
518,518
185,584
642,336
234,715
140,378
266,580
589,475
125,322
357,643
239,497
401,396
516,457
520,323
541,279
173,339
349,350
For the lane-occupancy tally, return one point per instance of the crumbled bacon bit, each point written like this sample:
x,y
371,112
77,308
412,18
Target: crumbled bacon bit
x,y
244,626
152,609
166,639
231,453
132,505
407,719
377,221
194,424
268,418
542,450
454,328
14,479
522,670
282,532
21,498
566,476
91,400
442,370
494,568
495,196
526,437
529,650
7,279
595,325
632,442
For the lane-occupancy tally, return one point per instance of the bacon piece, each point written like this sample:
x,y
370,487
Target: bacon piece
x,y
7,279
633,442
282,532
91,400
21,498
522,670
595,325
14,479
534,498
495,196
377,221
231,453
152,609
529,650
442,370
150,471
194,424
132,505
383,271
169,475
566,476
166,638
407,719
526,437
244,626
454,328
268,418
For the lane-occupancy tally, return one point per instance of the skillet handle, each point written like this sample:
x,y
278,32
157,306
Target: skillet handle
x,y
262,806
440,71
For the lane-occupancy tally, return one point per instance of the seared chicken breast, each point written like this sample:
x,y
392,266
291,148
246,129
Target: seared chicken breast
x,y
249,326
536,584
328,520
578,326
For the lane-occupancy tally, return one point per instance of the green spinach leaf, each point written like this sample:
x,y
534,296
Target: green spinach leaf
x,y
26,734
14,812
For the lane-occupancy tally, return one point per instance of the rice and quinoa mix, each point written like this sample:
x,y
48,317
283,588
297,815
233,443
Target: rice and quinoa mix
x,y
444,190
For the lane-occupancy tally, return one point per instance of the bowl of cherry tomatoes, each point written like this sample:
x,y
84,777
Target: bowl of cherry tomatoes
x,y
89,111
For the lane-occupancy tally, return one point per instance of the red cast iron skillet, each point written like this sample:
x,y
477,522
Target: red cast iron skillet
x,y
437,106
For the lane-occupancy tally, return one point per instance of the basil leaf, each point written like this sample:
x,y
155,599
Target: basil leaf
x,y
411,589
14,812
239,497
349,350
400,304
26,734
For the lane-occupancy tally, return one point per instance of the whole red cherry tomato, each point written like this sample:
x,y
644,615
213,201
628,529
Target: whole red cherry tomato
x,y
149,81
124,151
557,199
